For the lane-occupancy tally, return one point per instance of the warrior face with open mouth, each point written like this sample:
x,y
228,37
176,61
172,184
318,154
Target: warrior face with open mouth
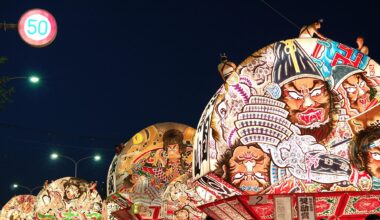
x,y
358,92
249,167
308,102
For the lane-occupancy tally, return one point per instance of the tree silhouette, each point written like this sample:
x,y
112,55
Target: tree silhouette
x,y
5,91
3,59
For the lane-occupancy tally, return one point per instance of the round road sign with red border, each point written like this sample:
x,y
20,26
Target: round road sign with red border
x,y
37,27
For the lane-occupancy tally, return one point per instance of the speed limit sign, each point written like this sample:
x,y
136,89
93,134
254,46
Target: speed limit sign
x,y
37,27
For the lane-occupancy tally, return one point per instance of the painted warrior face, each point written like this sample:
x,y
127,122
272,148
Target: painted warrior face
x,y
173,151
26,207
135,178
249,169
181,215
308,102
259,76
72,192
358,92
373,161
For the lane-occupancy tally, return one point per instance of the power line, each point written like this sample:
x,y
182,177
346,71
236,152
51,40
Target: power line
x,y
283,16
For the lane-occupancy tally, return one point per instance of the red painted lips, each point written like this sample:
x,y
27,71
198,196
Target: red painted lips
x,y
311,116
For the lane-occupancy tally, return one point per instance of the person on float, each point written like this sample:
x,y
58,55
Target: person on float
x,y
361,47
308,31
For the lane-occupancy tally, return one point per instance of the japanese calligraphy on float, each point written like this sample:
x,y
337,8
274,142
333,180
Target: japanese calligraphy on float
x,y
281,124
69,198
19,207
146,177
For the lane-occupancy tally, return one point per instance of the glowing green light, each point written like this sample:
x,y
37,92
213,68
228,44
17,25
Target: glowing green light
x,y
34,79
54,156
97,157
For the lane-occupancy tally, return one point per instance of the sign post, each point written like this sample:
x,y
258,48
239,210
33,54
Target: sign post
x,y
37,27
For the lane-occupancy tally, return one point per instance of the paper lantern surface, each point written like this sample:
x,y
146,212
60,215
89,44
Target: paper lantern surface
x,y
279,123
183,196
69,198
151,159
19,207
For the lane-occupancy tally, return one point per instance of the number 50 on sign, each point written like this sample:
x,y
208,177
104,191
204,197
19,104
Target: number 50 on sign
x,y
37,27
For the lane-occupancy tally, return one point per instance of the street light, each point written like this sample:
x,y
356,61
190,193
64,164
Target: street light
x,y
55,156
33,79
6,92
15,186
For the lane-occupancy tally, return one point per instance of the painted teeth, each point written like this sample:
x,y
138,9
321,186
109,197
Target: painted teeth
x,y
259,175
311,117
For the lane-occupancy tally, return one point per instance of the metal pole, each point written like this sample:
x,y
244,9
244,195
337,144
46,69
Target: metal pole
x,y
80,160
75,162
17,77
24,187
76,170
6,26
35,189
72,160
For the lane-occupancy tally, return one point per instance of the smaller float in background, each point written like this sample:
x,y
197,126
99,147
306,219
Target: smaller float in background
x,y
69,198
19,207
149,172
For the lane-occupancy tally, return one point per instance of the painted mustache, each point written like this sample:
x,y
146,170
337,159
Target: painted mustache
x,y
363,100
311,116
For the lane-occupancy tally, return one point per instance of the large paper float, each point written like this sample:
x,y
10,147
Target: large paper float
x,y
150,177
19,207
278,126
69,198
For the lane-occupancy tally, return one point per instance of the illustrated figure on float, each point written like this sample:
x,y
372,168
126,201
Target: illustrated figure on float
x,y
136,183
19,207
355,89
175,152
246,167
304,91
299,139
298,144
365,153
74,189
182,214
52,201
68,197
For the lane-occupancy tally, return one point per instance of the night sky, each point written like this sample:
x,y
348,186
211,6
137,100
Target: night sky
x,y
118,67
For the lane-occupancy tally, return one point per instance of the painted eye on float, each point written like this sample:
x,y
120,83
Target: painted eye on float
x,y
316,92
362,83
375,156
351,89
222,109
294,95
238,176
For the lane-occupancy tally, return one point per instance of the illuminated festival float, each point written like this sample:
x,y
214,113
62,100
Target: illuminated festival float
x,y
19,207
69,198
150,177
274,142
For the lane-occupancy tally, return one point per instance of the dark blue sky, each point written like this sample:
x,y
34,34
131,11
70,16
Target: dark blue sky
x,y
117,67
